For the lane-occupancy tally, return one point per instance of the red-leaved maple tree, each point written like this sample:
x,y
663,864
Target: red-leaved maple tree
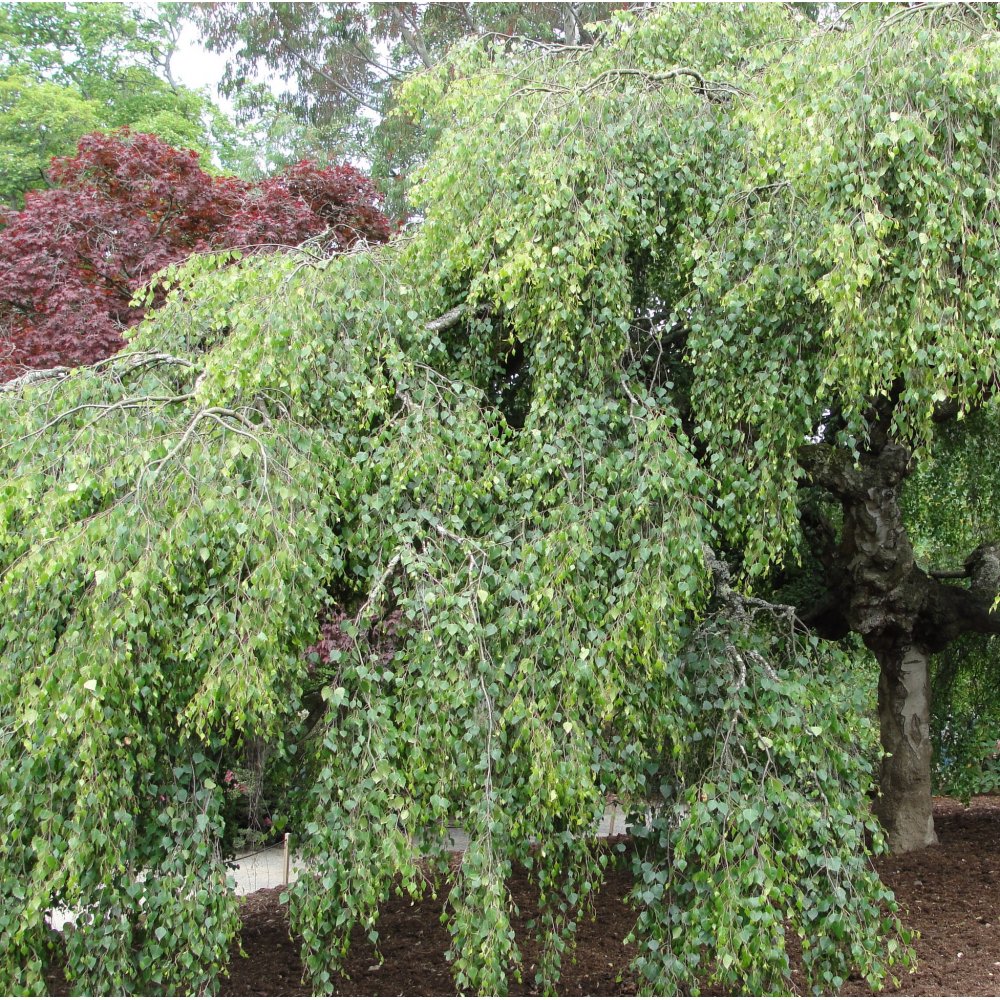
x,y
127,205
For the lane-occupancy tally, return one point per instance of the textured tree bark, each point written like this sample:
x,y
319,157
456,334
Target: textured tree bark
x,y
888,592
902,614
904,802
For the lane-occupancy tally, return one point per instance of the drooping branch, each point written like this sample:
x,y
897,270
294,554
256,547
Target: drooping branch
x,y
742,606
29,378
129,361
704,85
708,88
450,319
447,320
454,316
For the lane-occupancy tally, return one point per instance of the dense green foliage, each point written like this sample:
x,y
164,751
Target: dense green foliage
x,y
967,720
961,473
678,251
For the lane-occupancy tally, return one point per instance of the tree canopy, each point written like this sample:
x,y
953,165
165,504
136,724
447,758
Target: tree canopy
x,y
617,443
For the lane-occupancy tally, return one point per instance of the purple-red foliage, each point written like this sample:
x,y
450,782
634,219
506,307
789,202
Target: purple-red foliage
x,y
127,205
383,637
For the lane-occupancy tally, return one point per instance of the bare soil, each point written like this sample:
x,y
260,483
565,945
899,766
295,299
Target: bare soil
x,y
949,893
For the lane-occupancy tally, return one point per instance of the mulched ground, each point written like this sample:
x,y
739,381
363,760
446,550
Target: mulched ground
x,y
949,894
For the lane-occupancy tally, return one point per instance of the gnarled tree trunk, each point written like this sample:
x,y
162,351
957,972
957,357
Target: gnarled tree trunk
x,y
902,613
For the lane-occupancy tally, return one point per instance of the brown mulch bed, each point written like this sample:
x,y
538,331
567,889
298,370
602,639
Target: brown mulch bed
x,y
949,893
413,942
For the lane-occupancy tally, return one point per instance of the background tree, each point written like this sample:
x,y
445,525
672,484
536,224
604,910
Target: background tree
x,y
272,135
128,205
67,69
343,62
687,309
38,120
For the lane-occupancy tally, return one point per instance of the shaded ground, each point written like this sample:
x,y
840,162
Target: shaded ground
x,y
949,893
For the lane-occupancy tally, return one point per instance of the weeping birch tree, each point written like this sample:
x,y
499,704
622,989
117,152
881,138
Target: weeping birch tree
x,y
686,309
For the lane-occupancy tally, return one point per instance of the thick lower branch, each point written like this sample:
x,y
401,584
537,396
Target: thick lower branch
x,y
453,317
951,611
835,470
875,586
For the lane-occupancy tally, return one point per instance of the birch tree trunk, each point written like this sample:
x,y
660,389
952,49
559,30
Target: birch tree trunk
x,y
904,802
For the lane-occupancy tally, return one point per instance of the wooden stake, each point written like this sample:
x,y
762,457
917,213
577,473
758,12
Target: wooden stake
x,y
287,859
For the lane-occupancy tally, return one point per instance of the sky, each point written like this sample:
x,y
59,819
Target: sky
x,y
192,64
196,67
